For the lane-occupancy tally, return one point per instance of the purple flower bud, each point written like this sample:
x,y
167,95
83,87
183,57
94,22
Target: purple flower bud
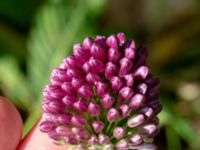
x,y
136,139
130,44
122,144
68,89
69,100
147,111
96,66
76,83
110,70
141,73
60,74
97,126
113,55
126,93
149,130
125,66
136,101
70,62
78,120
101,88
107,101
124,110
92,78
129,53
119,132
53,92
93,140
84,135
142,88
80,53
93,109
116,83
112,42
98,52
70,139
75,73
112,115
53,135
64,119
80,105
86,91
63,130
121,37
136,120
54,107
87,43
103,139
129,80
47,126
152,81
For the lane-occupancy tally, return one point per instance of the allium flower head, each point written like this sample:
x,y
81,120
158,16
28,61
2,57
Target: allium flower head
x,y
102,94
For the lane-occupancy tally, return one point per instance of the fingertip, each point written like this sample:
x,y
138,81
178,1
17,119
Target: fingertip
x,y
10,125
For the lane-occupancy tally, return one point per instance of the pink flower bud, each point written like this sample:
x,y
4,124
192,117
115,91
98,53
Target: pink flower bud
x,y
130,53
112,115
116,83
122,144
63,130
80,53
80,105
149,130
76,83
124,110
78,120
47,126
92,78
69,100
97,126
141,73
101,88
96,66
125,66
86,91
136,101
136,120
113,55
93,140
98,52
64,119
119,132
136,139
129,80
67,87
110,70
126,93
87,43
121,38
107,101
142,88
103,139
93,109
112,42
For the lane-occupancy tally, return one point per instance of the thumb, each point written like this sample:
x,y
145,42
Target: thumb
x,y
10,125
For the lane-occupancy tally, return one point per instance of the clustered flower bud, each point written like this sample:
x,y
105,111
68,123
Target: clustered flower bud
x,y
103,94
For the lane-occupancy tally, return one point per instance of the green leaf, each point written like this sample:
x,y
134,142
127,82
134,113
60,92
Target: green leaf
x,y
14,84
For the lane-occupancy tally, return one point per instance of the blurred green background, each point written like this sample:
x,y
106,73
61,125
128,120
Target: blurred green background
x,y
36,34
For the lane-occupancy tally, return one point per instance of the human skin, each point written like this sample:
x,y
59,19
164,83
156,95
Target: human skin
x,y
11,132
